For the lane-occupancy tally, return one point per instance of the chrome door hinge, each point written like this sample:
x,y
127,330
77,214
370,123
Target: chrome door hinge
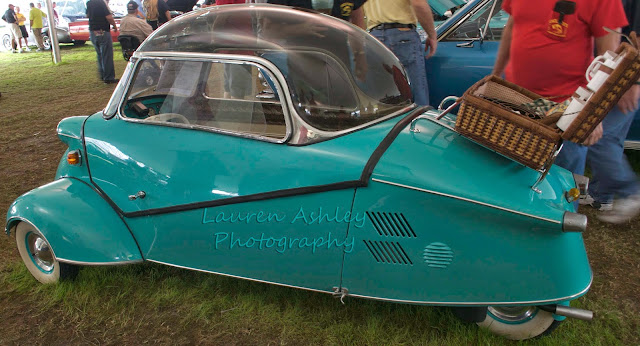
x,y
340,292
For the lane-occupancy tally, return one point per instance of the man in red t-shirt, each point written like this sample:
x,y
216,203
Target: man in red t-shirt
x,y
548,53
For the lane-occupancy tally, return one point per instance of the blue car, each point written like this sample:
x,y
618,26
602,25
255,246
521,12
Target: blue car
x,y
267,152
467,47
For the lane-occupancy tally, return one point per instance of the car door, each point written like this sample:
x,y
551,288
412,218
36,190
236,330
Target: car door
x,y
198,167
467,47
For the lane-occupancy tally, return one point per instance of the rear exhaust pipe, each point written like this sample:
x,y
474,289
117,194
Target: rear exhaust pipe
x,y
568,311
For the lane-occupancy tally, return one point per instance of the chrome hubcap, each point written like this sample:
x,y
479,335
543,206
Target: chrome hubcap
x,y
40,252
513,313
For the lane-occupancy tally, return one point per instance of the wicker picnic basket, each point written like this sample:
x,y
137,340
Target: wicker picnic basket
x,y
486,116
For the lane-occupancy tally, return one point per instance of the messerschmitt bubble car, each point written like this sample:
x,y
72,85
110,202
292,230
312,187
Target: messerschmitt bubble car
x,y
282,146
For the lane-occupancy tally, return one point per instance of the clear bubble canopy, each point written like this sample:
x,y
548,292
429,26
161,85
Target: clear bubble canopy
x,y
333,69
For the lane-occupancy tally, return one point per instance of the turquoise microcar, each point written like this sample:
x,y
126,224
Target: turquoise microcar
x,y
278,145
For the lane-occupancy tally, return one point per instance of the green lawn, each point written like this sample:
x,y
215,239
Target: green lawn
x,y
155,304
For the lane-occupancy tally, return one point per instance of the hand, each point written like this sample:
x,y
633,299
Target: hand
x,y
629,101
430,46
115,28
594,137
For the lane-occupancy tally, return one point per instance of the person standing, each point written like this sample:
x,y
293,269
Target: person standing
x,y
393,22
35,22
157,12
9,16
23,30
548,47
100,20
612,176
134,26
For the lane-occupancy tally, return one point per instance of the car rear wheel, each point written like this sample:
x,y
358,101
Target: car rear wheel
x,y
38,256
519,322
46,41
79,43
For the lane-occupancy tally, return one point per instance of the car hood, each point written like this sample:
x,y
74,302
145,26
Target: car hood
x,y
436,159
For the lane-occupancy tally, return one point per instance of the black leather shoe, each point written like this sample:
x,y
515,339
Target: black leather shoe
x,y
111,81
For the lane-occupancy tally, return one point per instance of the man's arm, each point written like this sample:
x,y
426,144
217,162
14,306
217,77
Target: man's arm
x,y
425,18
112,22
502,57
357,18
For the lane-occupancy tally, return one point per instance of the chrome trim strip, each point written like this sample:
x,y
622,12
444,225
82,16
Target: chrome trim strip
x,y
213,58
238,277
69,136
468,200
82,263
531,302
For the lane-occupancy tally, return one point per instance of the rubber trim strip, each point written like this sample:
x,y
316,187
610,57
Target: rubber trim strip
x,y
362,182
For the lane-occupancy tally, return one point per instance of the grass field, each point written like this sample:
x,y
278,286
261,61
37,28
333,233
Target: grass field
x,y
153,304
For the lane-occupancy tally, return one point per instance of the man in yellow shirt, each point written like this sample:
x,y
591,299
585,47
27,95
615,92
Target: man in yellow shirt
x,y
21,19
393,22
35,21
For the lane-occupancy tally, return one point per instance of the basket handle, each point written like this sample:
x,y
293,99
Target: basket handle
x,y
457,100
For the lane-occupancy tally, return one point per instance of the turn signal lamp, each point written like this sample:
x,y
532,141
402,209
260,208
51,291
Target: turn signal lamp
x,y
73,158
572,195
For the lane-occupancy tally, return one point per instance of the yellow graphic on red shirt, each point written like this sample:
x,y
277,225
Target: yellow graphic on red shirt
x,y
557,29
346,8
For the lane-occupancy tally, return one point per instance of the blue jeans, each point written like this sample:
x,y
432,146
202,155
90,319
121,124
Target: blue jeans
x,y
405,44
104,49
612,174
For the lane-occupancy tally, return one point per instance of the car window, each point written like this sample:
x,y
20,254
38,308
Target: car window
x,y
489,19
236,98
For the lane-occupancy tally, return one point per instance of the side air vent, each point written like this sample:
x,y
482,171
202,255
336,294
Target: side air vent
x,y
387,252
438,255
391,224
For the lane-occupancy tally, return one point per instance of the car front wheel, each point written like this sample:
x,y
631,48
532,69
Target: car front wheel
x,y
79,43
519,322
38,256
6,42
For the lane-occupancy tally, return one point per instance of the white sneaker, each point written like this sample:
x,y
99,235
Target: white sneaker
x,y
588,200
27,49
624,210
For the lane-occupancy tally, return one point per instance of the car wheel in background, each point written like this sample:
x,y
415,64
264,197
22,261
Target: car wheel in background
x,y
6,42
38,256
79,43
519,322
46,41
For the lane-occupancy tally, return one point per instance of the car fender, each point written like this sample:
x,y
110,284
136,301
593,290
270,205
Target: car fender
x,y
81,227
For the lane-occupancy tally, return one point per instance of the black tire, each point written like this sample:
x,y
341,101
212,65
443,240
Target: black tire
x,y
79,43
38,256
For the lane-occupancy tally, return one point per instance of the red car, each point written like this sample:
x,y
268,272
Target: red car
x,y
79,30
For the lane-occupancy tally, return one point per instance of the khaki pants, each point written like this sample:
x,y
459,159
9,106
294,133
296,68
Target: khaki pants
x,y
37,32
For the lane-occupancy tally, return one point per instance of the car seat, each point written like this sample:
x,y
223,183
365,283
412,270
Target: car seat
x,y
129,44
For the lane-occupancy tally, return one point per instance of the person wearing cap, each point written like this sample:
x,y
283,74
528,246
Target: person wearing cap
x,y
134,26
10,17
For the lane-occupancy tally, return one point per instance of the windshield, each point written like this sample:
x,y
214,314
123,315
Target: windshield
x,y
338,76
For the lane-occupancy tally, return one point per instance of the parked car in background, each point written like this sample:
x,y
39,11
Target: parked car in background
x,y
467,47
79,30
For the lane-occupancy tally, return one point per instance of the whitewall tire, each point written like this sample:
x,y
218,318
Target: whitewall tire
x,y
519,322
38,256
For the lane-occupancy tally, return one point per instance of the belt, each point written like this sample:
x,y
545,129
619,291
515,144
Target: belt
x,y
385,26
